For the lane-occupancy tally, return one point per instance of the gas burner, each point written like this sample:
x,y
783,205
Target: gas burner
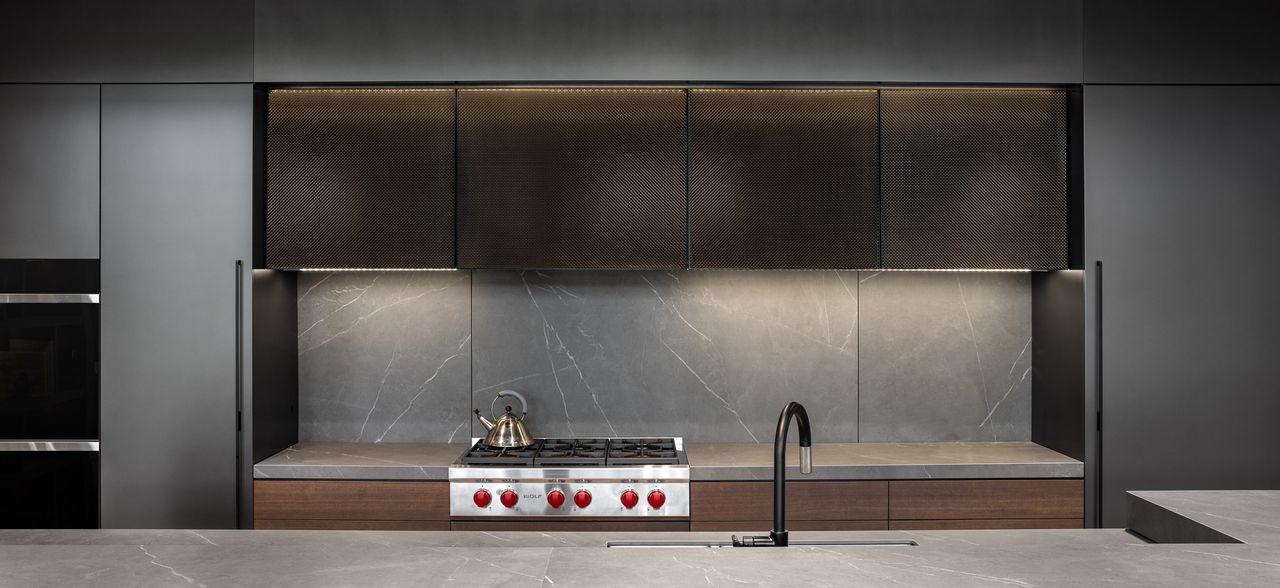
x,y
571,452
484,455
643,452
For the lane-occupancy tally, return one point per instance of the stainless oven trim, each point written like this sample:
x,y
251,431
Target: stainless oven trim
x,y
48,446
49,298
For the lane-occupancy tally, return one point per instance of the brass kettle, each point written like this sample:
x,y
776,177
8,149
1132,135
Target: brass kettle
x,y
508,431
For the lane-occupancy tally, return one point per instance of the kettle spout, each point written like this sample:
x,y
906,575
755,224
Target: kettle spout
x,y
488,425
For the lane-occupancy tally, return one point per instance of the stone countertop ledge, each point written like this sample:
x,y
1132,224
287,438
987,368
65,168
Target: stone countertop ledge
x,y
707,461
997,558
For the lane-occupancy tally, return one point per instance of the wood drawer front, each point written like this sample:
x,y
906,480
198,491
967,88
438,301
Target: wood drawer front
x,y
941,525
986,499
806,501
348,525
765,526
355,500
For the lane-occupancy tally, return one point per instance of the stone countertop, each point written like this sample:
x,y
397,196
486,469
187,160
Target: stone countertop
x,y
883,461
1004,558
707,461
361,461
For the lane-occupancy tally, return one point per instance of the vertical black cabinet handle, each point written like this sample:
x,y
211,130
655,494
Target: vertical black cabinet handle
x,y
239,341
1097,472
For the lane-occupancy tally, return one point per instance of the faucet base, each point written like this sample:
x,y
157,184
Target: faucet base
x,y
753,541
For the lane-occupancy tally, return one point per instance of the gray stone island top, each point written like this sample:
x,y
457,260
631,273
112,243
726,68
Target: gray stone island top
x,y
1002,558
707,461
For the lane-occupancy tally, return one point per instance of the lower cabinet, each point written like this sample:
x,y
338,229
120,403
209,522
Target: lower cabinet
x,y
863,505
893,505
811,506
986,504
365,505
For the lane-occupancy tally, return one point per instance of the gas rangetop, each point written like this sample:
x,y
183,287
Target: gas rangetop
x,y
579,453
596,477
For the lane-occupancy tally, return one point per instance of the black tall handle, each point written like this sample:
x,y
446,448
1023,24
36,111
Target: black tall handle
x,y
1097,471
239,343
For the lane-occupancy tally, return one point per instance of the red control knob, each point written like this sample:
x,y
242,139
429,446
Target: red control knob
x,y
582,498
630,499
482,498
555,498
657,499
509,498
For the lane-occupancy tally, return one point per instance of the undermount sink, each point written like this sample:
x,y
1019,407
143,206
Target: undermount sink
x,y
679,544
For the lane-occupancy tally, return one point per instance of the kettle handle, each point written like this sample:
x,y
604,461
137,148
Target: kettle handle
x,y
524,404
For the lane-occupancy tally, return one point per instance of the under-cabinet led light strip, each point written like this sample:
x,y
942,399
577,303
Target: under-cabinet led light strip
x,y
454,269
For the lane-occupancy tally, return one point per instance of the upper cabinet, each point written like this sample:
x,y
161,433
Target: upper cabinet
x,y
127,41
783,178
48,171
360,178
975,178
571,178
607,177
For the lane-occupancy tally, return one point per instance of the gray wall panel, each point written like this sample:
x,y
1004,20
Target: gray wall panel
x,y
176,191
862,40
384,356
48,172
1057,326
708,355
1181,41
126,41
1181,204
944,356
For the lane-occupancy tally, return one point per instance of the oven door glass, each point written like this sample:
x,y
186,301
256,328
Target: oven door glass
x,y
48,370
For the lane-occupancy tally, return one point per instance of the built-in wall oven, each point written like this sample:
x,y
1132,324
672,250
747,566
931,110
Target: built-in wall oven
x,y
49,393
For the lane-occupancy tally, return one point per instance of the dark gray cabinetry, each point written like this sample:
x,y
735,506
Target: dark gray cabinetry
x,y
360,177
176,216
126,41
783,178
975,178
1181,42
48,172
747,40
1181,205
571,178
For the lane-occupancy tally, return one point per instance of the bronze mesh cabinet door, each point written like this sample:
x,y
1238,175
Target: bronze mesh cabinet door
x,y
571,178
783,178
975,178
360,178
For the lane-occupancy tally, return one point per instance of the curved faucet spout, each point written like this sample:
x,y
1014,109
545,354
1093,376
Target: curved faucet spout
x,y
791,410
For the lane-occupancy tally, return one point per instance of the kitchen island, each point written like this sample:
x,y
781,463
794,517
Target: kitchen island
x,y
1246,524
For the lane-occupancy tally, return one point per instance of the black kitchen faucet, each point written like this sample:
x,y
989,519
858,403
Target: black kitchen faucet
x,y
778,536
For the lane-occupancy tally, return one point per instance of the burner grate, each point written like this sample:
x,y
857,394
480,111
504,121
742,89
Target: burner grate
x,y
484,455
643,451
572,452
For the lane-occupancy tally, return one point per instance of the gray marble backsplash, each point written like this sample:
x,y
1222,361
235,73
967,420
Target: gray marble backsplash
x,y
707,355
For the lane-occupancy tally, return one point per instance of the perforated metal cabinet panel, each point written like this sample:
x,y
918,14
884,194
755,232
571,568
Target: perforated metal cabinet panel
x,y
783,178
975,178
360,178
571,178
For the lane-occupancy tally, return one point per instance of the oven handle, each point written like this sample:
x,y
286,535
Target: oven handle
x,y
48,445
48,299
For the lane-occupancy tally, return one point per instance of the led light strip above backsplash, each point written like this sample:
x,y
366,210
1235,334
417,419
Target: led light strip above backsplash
x,y
454,269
